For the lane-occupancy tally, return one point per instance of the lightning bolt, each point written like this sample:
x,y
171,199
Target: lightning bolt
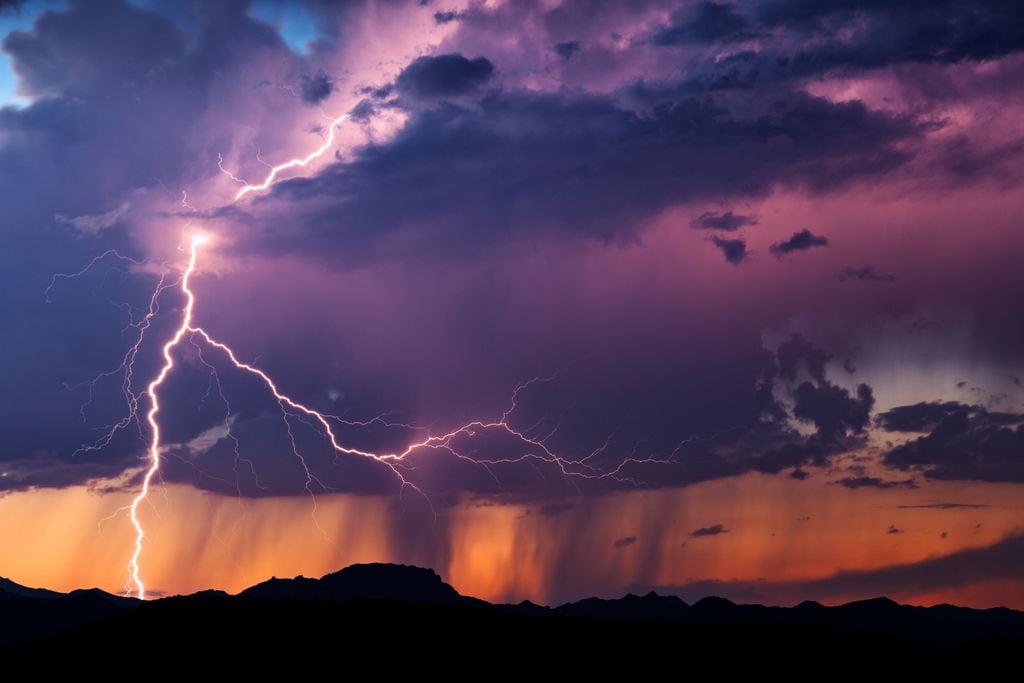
x,y
95,260
154,409
229,174
398,463
271,177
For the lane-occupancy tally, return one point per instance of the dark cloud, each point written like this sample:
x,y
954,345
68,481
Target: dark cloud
x,y
728,221
363,112
832,410
968,443
703,23
799,40
443,76
799,241
875,482
713,530
446,16
865,274
886,33
567,49
624,542
735,250
840,419
554,509
528,163
315,89
943,506
11,6
79,53
919,417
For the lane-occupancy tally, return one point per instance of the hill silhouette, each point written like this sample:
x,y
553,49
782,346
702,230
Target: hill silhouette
x,y
405,618
376,581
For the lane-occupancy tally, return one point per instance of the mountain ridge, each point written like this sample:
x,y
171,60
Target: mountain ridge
x,y
38,620
392,581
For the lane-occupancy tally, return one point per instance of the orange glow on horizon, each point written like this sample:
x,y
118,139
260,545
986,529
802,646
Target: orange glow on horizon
x,y
781,530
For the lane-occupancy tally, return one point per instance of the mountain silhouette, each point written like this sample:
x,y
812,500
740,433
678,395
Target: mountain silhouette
x,y
376,581
650,606
402,617
31,613
9,588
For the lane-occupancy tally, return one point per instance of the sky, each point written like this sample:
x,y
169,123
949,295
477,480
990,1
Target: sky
x,y
700,297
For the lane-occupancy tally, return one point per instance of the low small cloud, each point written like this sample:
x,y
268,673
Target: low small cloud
x,y
727,221
553,509
865,274
893,530
735,251
447,16
876,483
801,240
713,530
623,542
315,89
943,506
93,225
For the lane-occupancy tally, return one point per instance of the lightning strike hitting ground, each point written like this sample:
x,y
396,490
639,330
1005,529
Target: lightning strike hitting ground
x,y
154,408
398,462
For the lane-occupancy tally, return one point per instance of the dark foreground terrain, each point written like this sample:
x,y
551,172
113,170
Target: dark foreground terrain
x,y
388,619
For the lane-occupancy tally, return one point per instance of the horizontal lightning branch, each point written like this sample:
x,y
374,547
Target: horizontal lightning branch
x,y
534,450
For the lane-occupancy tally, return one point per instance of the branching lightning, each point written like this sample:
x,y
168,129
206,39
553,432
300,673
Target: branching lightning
x,y
291,163
154,408
534,448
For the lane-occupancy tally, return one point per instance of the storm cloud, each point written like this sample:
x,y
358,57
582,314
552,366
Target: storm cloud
x,y
485,192
966,443
443,76
636,165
